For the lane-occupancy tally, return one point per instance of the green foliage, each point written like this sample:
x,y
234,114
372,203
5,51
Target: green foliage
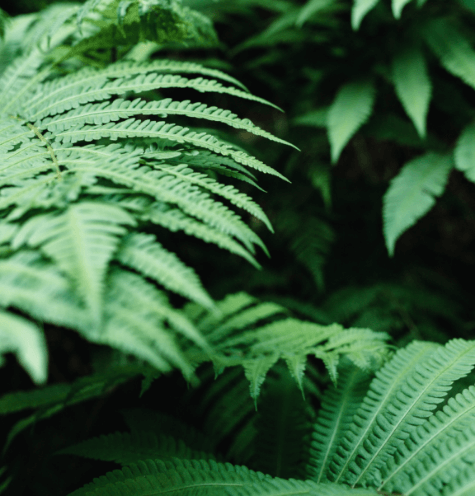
x,y
402,434
342,365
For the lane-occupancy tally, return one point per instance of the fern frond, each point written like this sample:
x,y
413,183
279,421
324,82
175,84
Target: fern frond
x,y
100,88
185,476
457,415
412,194
418,395
176,220
339,405
161,130
165,188
350,109
82,241
382,390
27,342
229,192
105,112
144,254
125,448
29,284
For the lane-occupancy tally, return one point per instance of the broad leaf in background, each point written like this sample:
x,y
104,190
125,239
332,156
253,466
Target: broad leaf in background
x,y
413,85
349,111
360,9
412,194
465,152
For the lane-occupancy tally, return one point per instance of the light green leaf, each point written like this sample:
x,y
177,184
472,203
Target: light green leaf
x,y
350,109
27,342
397,6
464,153
360,9
453,49
413,86
412,194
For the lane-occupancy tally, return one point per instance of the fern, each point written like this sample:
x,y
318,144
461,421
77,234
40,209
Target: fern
x,y
390,438
73,155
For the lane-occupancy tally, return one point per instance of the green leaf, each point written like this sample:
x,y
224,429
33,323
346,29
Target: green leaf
x,y
350,109
397,7
27,342
360,9
412,194
464,153
413,85
453,49
256,371
311,8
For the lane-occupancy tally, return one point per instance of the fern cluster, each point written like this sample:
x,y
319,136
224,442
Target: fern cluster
x,y
402,434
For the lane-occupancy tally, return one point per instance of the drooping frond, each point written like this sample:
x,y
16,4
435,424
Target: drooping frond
x,y
242,335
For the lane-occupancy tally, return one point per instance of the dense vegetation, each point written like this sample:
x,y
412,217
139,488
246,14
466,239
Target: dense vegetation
x,y
234,247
